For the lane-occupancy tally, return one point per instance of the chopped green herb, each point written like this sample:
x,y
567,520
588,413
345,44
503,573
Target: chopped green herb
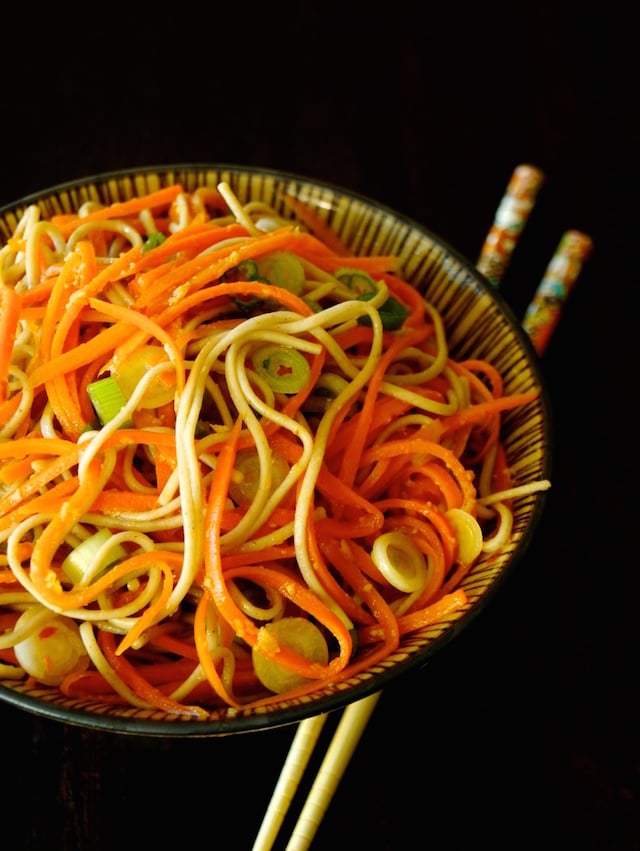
x,y
153,241
392,313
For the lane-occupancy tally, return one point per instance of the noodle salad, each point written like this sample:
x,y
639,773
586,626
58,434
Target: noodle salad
x,y
237,462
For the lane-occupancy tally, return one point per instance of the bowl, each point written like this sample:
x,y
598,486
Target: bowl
x,y
478,324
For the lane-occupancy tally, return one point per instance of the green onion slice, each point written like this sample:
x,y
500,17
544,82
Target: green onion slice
x,y
81,565
359,282
107,399
284,369
283,269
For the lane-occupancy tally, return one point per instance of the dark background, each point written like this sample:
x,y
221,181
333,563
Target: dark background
x,y
524,732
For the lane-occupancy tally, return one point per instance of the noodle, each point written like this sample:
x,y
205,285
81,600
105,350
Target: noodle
x,y
294,440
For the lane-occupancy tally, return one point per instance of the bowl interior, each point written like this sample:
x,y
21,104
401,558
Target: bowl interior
x,y
478,322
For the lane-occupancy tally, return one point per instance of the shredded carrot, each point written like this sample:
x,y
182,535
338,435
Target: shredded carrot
x,y
478,413
431,614
154,610
10,308
133,677
316,224
120,209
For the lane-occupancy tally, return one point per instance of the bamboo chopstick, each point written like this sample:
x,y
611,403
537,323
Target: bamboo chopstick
x,y
541,318
299,754
345,740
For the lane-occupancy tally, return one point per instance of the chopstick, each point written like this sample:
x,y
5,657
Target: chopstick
x,y
294,767
511,215
545,308
540,320
345,739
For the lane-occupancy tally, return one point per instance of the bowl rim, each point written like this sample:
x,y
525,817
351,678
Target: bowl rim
x,y
121,722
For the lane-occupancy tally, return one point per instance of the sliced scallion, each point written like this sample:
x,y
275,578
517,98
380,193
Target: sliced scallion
x,y
284,369
81,565
107,399
130,372
283,269
359,282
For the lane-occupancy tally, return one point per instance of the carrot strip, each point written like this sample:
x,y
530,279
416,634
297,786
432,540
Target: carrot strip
x,y
206,268
431,614
39,294
14,471
386,411
427,447
131,675
267,292
83,354
150,328
477,413
308,602
430,512
316,224
215,584
376,604
174,645
192,240
37,481
339,493
9,407
120,209
46,503
10,308
351,459
204,652
148,617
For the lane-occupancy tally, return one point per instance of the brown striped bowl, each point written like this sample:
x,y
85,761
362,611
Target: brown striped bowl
x,y
479,323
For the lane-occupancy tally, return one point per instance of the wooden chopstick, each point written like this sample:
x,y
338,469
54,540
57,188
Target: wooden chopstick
x,y
540,321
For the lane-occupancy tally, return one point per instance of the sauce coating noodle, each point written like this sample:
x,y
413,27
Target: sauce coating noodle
x,y
280,406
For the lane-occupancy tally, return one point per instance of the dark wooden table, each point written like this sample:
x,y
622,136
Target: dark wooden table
x,y
524,732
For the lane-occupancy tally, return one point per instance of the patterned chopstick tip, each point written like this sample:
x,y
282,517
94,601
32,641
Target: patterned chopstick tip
x,y
545,309
509,221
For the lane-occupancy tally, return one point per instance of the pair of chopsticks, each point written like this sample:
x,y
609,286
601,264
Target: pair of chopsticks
x,y
540,320
545,308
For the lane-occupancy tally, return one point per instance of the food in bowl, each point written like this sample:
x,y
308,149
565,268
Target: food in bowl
x,y
243,462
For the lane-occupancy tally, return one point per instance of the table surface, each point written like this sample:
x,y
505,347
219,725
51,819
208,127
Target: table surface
x,y
524,731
